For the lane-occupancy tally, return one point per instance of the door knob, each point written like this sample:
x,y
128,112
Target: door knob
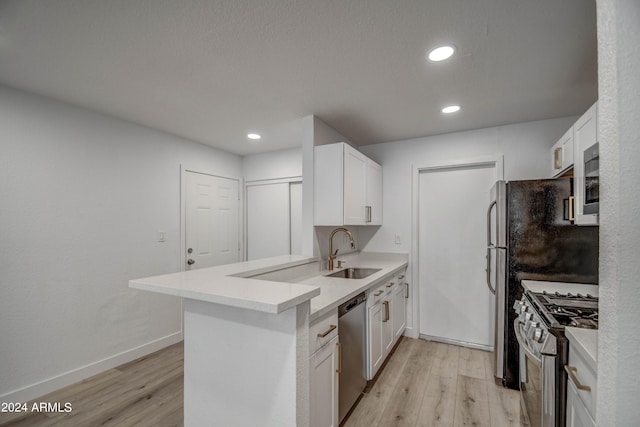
x,y
190,261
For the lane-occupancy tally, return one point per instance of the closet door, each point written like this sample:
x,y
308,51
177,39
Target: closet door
x,y
268,220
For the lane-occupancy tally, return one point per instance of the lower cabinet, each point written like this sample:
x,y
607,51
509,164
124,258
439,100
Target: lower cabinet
x,y
323,383
374,339
386,321
577,413
399,309
582,377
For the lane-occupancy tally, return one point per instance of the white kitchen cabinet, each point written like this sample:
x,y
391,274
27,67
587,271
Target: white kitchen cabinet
x,y
324,376
386,321
562,154
374,339
374,193
399,306
347,188
323,381
577,413
585,134
582,380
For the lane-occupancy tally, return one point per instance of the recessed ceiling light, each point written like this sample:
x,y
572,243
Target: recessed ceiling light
x,y
451,109
441,53
253,136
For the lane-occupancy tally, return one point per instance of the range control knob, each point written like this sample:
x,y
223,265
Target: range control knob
x,y
531,327
537,335
529,324
524,316
519,306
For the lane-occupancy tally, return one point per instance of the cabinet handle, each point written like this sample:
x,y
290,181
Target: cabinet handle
x,y
368,213
572,214
377,294
571,371
401,277
386,311
339,370
407,294
327,332
557,162
390,284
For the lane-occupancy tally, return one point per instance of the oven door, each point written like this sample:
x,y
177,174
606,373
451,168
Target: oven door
x,y
537,383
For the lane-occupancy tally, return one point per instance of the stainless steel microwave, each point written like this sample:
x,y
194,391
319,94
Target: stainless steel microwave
x,y
591,179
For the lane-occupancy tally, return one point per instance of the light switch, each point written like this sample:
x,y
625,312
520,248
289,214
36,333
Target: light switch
x,y
398,241
162,237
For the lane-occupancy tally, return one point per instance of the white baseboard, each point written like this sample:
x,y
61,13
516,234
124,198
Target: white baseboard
x,y
42,388
410,332
457,342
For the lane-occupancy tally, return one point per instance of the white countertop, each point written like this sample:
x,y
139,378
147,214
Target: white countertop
x,y
586,342
562,287
225,284
217,285
335,291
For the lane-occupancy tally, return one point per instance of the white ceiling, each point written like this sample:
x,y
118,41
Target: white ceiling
x,y
213,70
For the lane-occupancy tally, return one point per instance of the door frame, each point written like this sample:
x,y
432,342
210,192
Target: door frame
x,y
183,211
497,161
245,222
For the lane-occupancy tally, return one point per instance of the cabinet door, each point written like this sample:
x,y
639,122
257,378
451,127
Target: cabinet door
x,y
323,383
577,414
585,135
374,193
374,334
399,312
387,324
355,187
562,154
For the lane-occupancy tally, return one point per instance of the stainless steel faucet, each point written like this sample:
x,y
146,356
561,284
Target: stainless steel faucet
x,y
332,254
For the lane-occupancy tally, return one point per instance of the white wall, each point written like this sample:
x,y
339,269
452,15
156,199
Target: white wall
x,y
526,151
273,165
83,198
619,137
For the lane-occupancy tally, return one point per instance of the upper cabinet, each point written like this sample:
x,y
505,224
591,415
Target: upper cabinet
x,y
562,154
569,152
348,187
585,178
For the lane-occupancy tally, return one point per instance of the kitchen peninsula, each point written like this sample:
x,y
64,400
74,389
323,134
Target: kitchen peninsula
x,y
246,333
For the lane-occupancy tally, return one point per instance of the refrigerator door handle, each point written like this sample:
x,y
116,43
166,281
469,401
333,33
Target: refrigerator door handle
x,y
493,203
489,247
488,270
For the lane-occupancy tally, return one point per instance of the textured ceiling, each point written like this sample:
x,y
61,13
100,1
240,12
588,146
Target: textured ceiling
x,y
212,71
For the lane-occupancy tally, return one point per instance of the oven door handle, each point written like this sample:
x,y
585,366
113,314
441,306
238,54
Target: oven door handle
x,y
524,346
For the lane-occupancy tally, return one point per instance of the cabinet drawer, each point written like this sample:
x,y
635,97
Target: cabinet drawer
x,y
378,293
322,331
581,372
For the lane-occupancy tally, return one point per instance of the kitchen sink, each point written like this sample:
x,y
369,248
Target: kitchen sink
x,y
354,273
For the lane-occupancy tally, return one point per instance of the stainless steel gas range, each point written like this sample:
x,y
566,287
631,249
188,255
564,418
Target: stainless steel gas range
x,y
539,327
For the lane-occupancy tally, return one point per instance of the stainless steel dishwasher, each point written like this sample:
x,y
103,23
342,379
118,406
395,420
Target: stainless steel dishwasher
x,y
352,333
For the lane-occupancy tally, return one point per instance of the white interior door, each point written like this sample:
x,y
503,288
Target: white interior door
x,y
211,220
268,220
454,304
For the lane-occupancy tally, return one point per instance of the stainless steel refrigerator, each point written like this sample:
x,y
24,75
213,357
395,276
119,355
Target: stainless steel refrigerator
x,y
530,236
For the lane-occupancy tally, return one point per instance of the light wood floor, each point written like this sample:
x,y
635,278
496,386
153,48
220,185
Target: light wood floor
x,y
424,383
145,392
